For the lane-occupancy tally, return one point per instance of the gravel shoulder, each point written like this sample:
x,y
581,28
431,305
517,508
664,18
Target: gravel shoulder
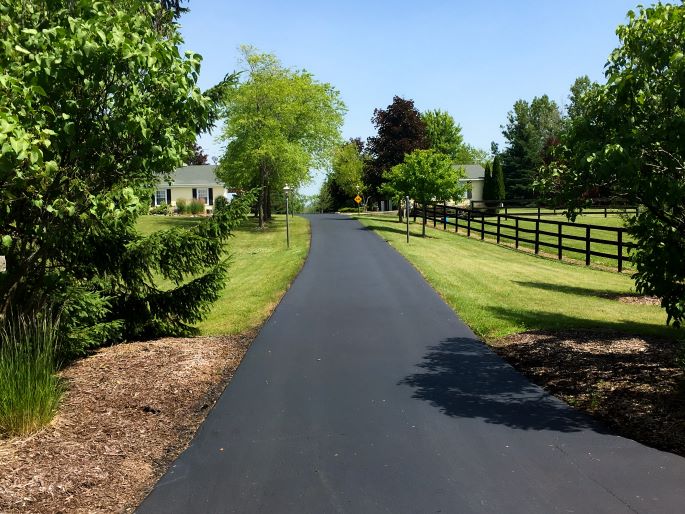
x,y
129,411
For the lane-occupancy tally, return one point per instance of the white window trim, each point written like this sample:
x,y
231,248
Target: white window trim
x,y
199,195
158,195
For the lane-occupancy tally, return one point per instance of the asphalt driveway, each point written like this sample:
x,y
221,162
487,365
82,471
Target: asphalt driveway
x,y
364,393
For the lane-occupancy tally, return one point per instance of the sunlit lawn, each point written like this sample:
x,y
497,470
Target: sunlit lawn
x,y
499,291
260,271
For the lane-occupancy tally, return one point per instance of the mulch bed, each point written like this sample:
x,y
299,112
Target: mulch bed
x,y
633,384
129,411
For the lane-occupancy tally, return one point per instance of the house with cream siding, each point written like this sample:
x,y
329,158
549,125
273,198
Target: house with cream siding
x,y
192,183
475,178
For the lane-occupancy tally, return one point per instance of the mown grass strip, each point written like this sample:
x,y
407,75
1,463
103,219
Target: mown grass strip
x,y
498,291
260,270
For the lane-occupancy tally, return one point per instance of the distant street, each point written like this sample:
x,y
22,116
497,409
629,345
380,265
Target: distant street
x,y
364,393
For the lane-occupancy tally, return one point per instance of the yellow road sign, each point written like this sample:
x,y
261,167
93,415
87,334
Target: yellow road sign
x,y
358,199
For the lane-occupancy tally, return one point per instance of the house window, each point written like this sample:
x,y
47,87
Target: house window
x,y
160,197
203,195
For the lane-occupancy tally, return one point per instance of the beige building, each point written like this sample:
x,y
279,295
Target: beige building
x,y
475,178
192,183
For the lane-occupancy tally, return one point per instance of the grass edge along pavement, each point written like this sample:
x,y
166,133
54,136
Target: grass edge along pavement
x,y
576,331
498,291
260,270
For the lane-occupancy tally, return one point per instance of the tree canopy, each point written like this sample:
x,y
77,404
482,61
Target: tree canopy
x,y
530,130
443,134
627,137
279,123
400,130
96,106
425,176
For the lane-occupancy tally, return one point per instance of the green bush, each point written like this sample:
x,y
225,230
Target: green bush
x,y
181,206
30,391
197,207
160,209
220,202
348,209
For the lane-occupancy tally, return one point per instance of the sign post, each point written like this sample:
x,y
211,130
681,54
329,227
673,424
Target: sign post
x,y
407,209
358,199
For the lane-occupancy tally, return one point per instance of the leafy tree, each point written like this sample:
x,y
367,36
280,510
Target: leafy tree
x,y
331,196
531,128
347,167
443,134
96,105
469,154
278,124
425,175
627,138
400,131
197,155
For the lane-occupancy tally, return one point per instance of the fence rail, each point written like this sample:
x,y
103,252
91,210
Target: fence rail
x,y
553,235
540,210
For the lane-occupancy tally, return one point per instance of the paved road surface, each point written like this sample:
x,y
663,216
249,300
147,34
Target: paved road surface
x,y
364,393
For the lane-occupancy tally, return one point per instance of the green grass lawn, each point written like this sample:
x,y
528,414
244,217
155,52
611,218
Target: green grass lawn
x,y
260,271
498,291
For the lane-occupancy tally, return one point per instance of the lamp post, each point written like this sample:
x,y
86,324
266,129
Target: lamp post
x,y
406,206
286,190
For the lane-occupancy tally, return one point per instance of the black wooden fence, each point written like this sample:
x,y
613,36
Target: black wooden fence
x,y
539,209
520,231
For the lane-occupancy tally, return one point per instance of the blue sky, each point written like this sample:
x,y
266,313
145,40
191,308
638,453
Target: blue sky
x,y
471,58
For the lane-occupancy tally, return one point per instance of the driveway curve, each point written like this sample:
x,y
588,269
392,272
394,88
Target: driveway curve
x,y
365,393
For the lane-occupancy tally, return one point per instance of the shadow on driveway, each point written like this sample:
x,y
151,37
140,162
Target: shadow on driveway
x,y
464,379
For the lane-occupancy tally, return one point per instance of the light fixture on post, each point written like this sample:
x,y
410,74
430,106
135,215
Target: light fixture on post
x,y
286,190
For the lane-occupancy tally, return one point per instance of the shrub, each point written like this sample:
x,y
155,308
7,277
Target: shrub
x,y
197,207
30,391
160,209
181,206
220,202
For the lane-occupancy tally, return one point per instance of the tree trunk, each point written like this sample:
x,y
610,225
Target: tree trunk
x,y
268,203
262,203
400,211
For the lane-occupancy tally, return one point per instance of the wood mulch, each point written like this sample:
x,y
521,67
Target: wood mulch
x,y
128,412
633,384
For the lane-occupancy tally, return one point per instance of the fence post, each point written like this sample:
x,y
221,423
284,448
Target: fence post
x,y
482,226
468,223
537,235
517,233
435,214
538,215
620,250
456,219
444,216
498,226
414,211
560,239
587,246
605,211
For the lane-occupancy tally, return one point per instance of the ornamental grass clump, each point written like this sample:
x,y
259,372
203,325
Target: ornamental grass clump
x,y
196,207
30,390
